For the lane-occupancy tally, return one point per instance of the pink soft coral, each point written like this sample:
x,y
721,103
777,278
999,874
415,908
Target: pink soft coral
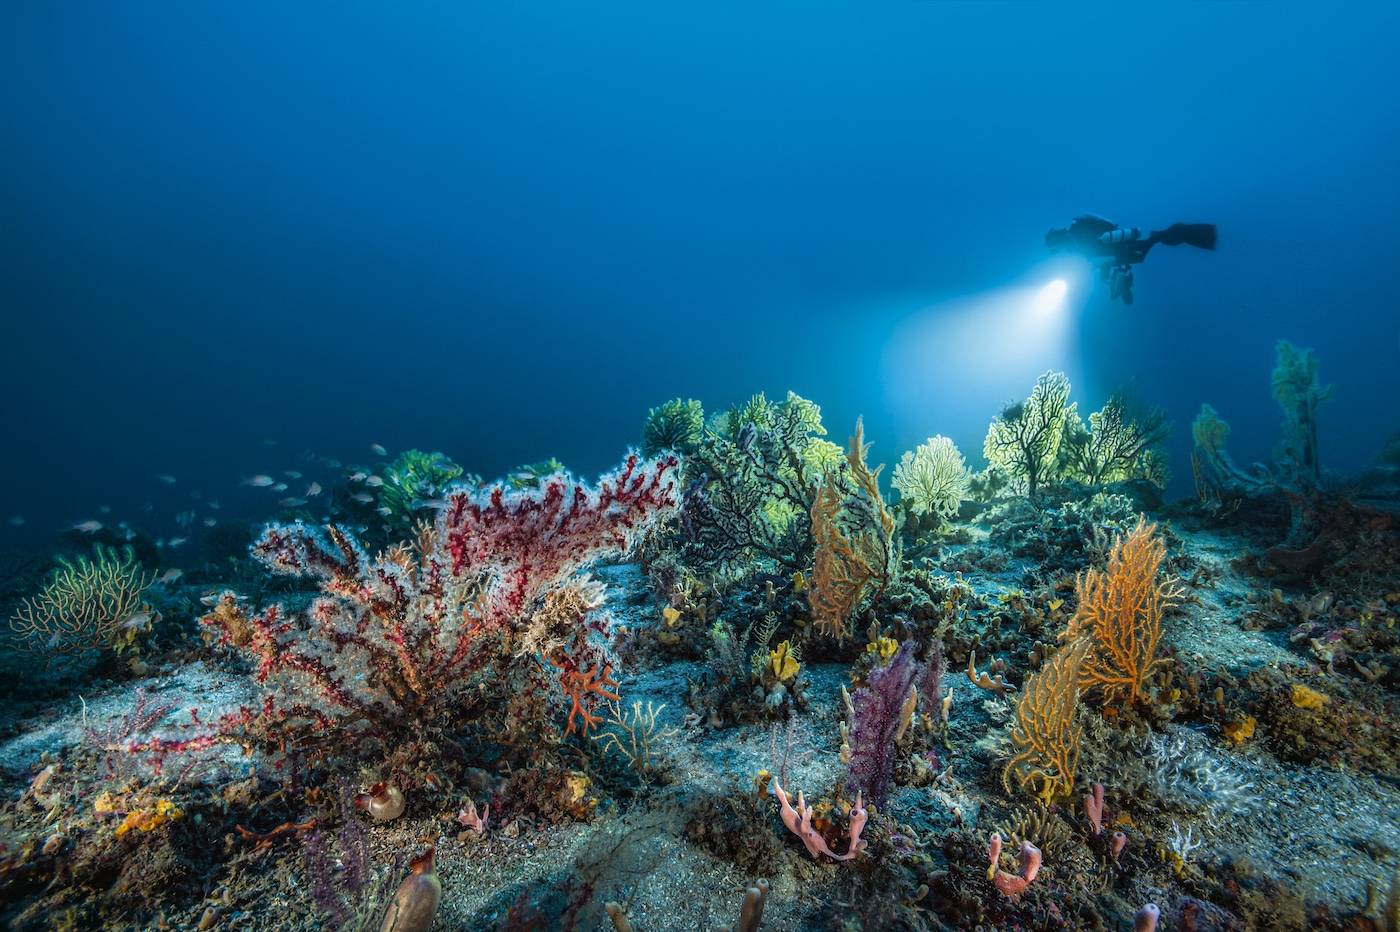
x,y
396,641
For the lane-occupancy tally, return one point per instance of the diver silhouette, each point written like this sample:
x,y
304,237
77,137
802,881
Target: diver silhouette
x,y
1114,250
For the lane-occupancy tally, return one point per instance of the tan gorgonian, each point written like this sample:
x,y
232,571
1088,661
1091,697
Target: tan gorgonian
x,y
851,530
84,605
1047,729
1120,615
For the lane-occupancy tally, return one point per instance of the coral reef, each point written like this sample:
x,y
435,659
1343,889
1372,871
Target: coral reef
x,y
546,703
444,632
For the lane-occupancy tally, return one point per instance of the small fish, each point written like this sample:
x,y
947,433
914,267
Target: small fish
x,y
210,522
105,509
269,442
17,521
291,474
291,502
178,541
358,476
166,478
373,482
196,495
214,504
386,512
378,449
364,498
313,490
436,504
140,621
334,464
280,487
87,527
169,576
260,481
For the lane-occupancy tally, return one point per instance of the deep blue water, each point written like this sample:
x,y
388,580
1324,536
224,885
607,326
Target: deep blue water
x,y
505,231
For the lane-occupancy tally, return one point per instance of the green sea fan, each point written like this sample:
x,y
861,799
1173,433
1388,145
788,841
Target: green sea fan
x,y
1115,446
762,463
529,476
1023,441
412,481
676,425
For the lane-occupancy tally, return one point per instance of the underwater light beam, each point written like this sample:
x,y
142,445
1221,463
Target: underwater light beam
x,y
1052,297
949,366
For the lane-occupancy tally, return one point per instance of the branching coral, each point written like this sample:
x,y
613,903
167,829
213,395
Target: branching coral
x,y
399,646
1047,729
852,531
933,478
580,686
1120,615
1023,441
86,604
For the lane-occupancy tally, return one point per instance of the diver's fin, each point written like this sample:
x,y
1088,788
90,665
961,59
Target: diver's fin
x,y
1200,235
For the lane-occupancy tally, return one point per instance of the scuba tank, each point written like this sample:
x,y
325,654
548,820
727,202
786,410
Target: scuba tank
x,y
1124,235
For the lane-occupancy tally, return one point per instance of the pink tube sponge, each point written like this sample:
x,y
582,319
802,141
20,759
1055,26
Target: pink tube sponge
x,y
1093,808
1030,866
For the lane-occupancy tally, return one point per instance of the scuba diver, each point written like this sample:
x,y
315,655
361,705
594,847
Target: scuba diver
x,y
1114,250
